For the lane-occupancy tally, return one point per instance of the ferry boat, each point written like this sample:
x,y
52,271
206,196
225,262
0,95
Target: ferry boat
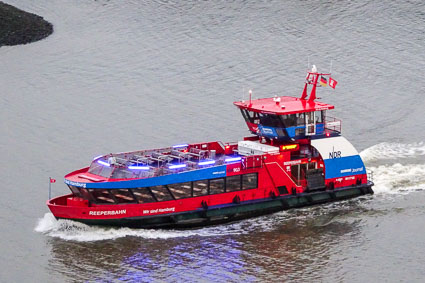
x,y
294,157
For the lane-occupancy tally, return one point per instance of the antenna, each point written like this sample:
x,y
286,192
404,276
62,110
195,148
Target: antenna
x,y
250,94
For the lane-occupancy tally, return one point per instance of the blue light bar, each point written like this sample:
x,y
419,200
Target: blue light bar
x,y
97,157
103,163
138,167
208,162
233,159
177,166
180,145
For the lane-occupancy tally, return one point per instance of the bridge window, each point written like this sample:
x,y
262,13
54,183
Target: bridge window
x,y
200,188
123,196
217,186
289,120
270,120
233,183
143,195
318,116
161,193
249,181
181,190
250,116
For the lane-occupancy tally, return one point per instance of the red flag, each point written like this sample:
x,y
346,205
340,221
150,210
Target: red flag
x,y
52,180
332,83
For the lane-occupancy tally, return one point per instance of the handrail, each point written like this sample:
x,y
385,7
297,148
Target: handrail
x,y
332,125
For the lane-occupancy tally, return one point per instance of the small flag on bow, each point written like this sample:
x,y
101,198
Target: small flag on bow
x,y
52,180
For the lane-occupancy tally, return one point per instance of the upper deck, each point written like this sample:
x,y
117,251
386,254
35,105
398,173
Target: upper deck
x,y
170,160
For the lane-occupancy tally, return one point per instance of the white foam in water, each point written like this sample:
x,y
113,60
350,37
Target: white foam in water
x,y
391,151
396,177
75,231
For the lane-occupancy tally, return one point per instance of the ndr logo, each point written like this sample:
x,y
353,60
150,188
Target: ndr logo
x,y
334,154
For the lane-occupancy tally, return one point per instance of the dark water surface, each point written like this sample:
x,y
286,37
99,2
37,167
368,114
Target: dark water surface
x,y
119,76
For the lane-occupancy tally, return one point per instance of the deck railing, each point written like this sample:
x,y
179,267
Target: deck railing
x,y
332,125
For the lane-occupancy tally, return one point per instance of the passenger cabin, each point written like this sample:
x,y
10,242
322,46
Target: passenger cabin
x,y
288,118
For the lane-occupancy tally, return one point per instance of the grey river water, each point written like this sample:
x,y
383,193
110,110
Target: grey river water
x,y
125,75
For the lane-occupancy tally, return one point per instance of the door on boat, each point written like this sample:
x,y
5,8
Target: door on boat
x,y
310,125
299,172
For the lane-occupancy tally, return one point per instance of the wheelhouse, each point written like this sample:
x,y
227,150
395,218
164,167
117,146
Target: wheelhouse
x,y
288,118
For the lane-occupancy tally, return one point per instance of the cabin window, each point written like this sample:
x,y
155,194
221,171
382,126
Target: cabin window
x,y
233,183
102,196
216,186
143,195
318,117
270,120
181,190
75,191
249,181
245,115
161,193
123,196
300,119
200,188
85,194
289,120
251,116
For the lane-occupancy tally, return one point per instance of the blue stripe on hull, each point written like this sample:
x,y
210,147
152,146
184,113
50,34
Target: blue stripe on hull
x,y
344,166
195,175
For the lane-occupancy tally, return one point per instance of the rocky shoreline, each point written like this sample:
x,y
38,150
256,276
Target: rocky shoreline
x,y
20,27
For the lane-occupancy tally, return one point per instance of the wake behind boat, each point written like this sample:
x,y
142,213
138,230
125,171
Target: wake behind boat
x,y
295,157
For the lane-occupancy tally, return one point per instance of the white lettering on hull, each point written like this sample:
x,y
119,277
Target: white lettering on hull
x,y
352,170
76,184
295,162
107,212
159,210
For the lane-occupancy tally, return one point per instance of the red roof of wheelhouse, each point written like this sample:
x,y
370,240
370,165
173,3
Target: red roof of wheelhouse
x,y
283,105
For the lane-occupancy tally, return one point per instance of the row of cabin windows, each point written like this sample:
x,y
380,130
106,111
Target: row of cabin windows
x,y
283,121
169,192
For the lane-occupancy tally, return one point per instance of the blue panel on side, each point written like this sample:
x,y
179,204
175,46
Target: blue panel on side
x,y
267,131
344,166
195,175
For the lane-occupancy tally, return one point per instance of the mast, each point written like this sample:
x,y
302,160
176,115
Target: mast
x,y
312,79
